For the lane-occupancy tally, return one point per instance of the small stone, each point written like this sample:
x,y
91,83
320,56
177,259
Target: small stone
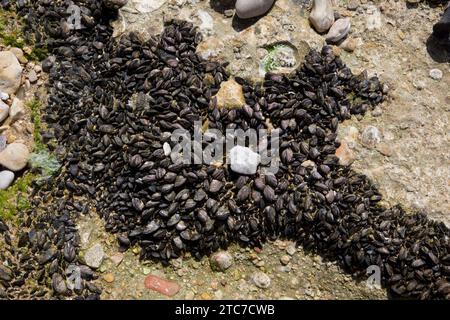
x,y
338,30
6,178
221,261
19,55
246,9
230,95
370,137
384,149
353,5
291,249
228,13
285,259
377,111
165,287
109,278
436,74
210,48
261,280
207,22
4,111
47,64
94,256
32,76
10,72
17,110
322,15
4,96
167,149
349,44
345,154
116,258
244,161
3,142
308,164
15,156
205,296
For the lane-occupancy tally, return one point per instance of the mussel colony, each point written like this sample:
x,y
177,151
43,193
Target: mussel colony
x,y
112,154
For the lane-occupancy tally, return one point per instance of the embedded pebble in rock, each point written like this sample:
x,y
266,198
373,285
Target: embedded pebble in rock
x,y
373,18
117,258
109,278
353,5
147,6
221,261
243,160
291,249
6,178
345,155
210,48
338,30
246,9
261,280
436,74
17,110
165,287
94,256
349,44
32,76
230,95
4,111
285,259
322,15
10,72
15,156
370,137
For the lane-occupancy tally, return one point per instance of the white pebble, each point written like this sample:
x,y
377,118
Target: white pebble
x,y
243,160
6,178
167,149
436,74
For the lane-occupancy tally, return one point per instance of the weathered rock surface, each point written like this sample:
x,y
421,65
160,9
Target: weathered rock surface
x,y
230,95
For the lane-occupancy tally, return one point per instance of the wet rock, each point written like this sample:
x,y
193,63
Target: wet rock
x,y
230,95
246,9
15,156
370,137
436,74
4,111
322,15
6,178
221,261
165,287
94,256
345,154
243,160
17,110
261,280
10,72
338,30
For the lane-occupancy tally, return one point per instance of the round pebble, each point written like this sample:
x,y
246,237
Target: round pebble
x,y
6,178
436,74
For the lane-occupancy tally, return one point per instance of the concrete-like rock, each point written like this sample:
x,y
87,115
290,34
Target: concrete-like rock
x,y
94,256
15,156
230,95
6,178
322,15
221,261
436,74
246,9
338,30
10,72
243,160
4,111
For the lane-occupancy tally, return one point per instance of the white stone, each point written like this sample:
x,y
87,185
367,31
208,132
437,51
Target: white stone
x,y
147,6
373,18
436,74
15,156
338,30
243,160
4,111
206,19
17,110
10,72
246,9
4,96
94,256
261,280
322,15
167,149
6,178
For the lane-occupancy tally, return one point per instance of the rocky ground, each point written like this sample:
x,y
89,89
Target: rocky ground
x,y
403,146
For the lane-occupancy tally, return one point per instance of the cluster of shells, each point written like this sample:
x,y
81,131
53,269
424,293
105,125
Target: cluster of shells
x,y
112,106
